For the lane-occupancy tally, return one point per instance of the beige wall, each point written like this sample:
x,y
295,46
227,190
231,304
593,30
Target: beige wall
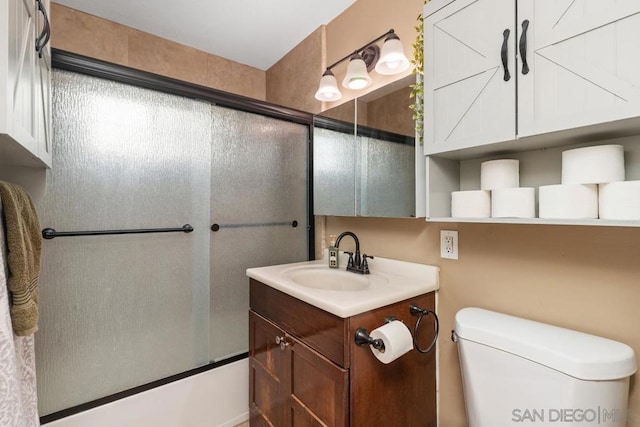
x,y
364,21
291,82
91,36
294,80
343,112
391,113
583,278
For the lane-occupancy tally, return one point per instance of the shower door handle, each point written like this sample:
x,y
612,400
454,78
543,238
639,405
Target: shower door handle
x,y
217,227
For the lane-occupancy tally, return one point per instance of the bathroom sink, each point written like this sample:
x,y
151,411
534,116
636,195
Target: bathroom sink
x,y
329,279
345,293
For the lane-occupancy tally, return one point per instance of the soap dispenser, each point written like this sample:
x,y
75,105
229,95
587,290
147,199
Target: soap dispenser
x,y
333,252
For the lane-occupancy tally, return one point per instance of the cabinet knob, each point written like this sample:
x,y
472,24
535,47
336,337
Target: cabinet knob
x,y
282,343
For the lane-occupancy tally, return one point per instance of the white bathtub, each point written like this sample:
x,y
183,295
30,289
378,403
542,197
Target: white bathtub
x,y
215,398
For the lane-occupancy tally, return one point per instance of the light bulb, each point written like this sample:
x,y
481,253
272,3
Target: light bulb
x,y
392,58
328,90
357,76
358,83
392,65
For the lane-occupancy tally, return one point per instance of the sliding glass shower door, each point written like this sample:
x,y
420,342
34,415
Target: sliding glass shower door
x,y
119,311
258,206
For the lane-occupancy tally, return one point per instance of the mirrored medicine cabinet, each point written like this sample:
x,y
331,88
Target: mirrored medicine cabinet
x,y
364,155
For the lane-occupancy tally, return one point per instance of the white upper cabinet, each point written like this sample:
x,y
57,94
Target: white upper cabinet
x,y
583,60
24,84
574,68
470,82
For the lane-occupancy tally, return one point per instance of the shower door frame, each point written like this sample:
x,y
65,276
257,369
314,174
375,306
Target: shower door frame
x,y
68,61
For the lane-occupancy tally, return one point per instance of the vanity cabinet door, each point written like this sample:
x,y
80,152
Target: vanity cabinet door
x,y
583,64
267,366
317,389
470,75
291,384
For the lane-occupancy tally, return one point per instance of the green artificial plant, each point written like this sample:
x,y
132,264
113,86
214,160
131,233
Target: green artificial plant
x,y
417,89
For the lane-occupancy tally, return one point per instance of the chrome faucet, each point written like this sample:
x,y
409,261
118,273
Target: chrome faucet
x,y
356,264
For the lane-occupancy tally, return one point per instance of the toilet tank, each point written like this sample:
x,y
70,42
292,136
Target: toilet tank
x,y
520,372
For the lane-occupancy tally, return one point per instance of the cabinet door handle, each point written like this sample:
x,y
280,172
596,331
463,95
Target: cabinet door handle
x,y
503,54
523,47
45,35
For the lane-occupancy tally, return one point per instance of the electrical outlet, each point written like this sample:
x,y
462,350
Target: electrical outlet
x,y
448,244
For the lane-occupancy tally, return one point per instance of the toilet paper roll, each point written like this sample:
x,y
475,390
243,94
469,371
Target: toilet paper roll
x,y
471,204
620,200
497,174
513,203
568,201
593,165
397,341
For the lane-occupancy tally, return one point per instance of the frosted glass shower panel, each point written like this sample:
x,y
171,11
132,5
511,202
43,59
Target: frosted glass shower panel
x,y
336,166
258,188
388,178
121,311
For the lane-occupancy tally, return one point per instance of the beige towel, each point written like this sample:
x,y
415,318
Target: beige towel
x,y
23,258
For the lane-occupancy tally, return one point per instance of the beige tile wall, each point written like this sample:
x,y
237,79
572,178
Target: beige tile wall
x,y
84,34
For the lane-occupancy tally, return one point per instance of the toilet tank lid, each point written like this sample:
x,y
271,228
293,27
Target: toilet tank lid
x,y
583,356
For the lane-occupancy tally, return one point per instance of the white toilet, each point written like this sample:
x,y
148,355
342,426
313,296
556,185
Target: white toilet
x,y
518,372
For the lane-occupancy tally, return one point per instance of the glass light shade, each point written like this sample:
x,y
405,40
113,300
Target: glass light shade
x,y
328,90
392,59
357,76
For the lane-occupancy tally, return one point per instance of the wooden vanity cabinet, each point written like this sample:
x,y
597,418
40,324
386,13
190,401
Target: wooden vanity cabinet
x,y
305,369
293,385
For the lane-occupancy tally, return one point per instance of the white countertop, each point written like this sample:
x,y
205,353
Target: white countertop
x,y
390,281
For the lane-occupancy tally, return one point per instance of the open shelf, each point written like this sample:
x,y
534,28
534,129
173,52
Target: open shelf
x,y
542,166
540,221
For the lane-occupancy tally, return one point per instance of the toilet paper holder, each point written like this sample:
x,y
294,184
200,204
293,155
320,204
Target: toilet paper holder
x,y
362,337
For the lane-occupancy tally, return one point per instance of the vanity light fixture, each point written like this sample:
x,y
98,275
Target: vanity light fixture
x,y
390,60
